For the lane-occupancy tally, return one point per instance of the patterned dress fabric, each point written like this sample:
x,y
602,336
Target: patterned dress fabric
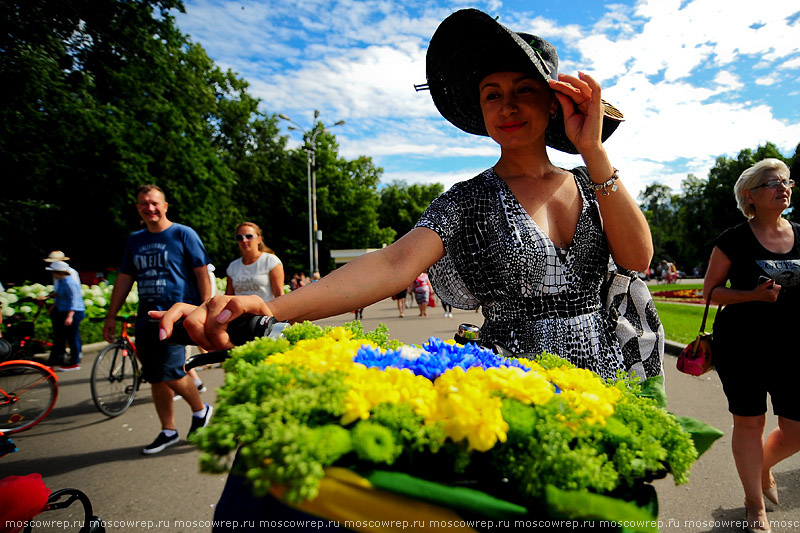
x,y
535,296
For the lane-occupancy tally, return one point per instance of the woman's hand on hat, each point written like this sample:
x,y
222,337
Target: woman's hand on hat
x,y
582,107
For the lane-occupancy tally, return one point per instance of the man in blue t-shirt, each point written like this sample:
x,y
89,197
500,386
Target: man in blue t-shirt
x,y
168,262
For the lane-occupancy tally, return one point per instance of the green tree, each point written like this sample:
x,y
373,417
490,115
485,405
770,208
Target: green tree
x,y
101,96
347,201
105,96
402,205
685,225
657,203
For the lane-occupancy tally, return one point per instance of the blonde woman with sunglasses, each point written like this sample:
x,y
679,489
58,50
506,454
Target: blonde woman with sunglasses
x,y
761,259
258,271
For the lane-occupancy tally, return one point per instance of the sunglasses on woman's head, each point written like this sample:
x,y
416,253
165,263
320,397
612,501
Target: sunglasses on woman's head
x,y
246,236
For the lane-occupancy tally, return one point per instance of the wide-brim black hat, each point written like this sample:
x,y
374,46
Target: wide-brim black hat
x,y
468,46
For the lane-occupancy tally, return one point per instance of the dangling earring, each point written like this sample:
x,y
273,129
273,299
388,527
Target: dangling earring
x,y
553,114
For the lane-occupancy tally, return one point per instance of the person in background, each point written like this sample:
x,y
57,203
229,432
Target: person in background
x,y
448,309
67,313
169,263
526,241
422,292
258,271
400,297
761,259
58,255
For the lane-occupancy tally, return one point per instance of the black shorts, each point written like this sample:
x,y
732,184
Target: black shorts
x,y
160,361
752,362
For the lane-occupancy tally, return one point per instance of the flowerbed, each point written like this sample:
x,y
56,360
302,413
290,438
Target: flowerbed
x,y
16,307
686,295
542,436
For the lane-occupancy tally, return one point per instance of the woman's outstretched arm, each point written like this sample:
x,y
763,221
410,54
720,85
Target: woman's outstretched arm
x,y
361,282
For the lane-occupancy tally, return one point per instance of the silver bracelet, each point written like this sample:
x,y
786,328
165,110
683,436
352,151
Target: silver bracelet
x,y
602,188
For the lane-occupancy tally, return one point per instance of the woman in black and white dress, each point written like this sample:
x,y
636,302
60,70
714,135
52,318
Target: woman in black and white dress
x,y
525,240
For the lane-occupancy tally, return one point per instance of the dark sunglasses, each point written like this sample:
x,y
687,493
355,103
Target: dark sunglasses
x,y
241,237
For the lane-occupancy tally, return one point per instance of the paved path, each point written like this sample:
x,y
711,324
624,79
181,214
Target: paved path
x,y
79,447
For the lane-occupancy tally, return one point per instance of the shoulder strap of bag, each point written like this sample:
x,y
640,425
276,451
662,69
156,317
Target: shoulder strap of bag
x,y
705,313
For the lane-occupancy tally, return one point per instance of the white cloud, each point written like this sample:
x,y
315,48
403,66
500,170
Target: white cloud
x,y
685,72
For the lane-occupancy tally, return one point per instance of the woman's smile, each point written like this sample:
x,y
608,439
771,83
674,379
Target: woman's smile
x,y
512,126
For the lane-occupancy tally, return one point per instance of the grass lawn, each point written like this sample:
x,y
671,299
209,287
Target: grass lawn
x,y
682,322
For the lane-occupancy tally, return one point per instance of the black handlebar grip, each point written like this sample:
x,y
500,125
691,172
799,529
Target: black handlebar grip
x,y
241,330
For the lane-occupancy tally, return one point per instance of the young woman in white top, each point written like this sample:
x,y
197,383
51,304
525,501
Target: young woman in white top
x,y
258,271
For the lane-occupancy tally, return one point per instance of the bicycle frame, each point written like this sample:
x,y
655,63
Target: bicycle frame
x,y
123,334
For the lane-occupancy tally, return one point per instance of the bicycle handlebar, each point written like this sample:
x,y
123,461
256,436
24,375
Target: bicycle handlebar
x,y
128,319
241,330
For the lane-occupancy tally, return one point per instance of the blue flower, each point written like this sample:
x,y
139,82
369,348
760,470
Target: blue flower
x,y
436,358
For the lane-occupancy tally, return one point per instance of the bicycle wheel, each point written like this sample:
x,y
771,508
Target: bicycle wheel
x,y
28,393
115,379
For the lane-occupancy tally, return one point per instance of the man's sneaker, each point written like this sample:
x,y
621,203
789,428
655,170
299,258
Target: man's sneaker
x,y
200,388
200,421
161,442
69,368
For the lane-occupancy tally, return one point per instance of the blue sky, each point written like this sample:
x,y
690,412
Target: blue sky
x,y
696,79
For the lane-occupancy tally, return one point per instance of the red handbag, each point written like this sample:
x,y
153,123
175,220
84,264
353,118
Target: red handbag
x,y
431,301
696,358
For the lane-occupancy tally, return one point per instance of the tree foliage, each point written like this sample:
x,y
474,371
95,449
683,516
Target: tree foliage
x,y
101,96
685,225
402,204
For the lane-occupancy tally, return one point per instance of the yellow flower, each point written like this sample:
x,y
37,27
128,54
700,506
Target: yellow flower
x,y
585,392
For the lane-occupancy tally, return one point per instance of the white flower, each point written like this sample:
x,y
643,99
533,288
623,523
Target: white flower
x,y
410,353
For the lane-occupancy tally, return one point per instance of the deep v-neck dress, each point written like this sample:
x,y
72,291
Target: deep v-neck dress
x,y
534,296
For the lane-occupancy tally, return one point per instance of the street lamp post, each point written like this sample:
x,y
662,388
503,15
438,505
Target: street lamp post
x,y
311,158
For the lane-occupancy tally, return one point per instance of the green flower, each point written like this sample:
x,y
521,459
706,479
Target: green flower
x,y
373,442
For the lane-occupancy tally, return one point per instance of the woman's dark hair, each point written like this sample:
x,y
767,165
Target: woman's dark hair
x,y
261,246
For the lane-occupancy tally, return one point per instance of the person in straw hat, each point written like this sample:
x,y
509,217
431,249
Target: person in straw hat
x,y
68,311
525,240
58,255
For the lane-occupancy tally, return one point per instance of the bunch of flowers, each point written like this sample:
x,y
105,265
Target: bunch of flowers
x,y
519,427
